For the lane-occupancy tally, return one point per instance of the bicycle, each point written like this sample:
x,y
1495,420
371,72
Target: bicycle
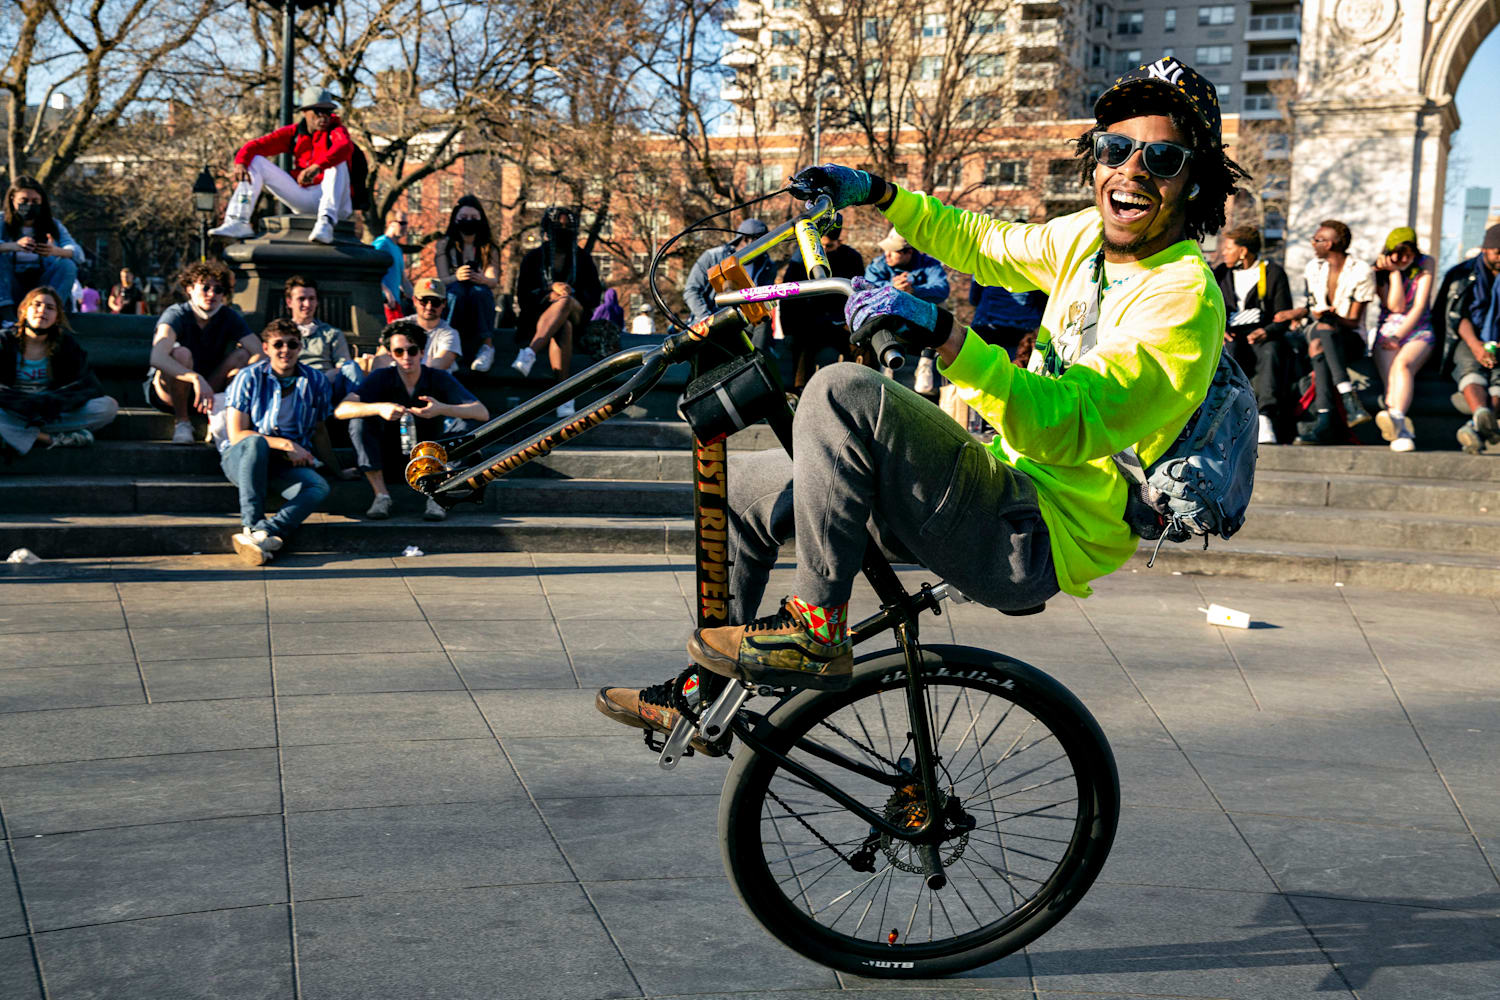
x,y
951,805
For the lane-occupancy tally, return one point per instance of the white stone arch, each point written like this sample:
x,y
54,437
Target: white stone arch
x,y
1374,117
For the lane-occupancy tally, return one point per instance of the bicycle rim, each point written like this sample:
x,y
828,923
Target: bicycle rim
x,y
1019,758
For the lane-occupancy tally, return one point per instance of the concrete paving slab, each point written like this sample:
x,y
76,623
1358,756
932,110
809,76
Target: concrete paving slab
x,y
669,836
70,617
45,589
18,975
12,919
244,608
598,668
85,685
527,635
1359,861
368,718
1191,942
130,791
1397,952
366,775
349,638
1160,776
657,605
1318,790
194,680
201,642
512,669
240,954
1205,851
462,606
1244,731
101,876
563,767
53,649
501,943
354,673
361,852
544,713
394,606
133,730
666,953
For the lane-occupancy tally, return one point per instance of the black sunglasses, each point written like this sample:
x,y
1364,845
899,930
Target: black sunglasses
x,y
215,289
290,345
402,352
1162,159
431,302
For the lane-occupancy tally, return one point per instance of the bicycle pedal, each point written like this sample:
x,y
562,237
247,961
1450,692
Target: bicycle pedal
x,y
655,743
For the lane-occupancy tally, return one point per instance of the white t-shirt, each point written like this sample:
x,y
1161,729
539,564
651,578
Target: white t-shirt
x,y
643,325
1356,284
442,339
1244,280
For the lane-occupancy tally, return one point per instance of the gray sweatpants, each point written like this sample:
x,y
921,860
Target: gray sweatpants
x,y
871,454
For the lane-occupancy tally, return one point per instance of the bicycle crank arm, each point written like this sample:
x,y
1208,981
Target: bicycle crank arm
x,y
676,743
715,722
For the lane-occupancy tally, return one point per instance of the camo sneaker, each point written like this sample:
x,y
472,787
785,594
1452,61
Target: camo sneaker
x,y
778,649
650,708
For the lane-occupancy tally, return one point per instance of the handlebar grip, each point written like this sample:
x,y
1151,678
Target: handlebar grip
x,y
888,350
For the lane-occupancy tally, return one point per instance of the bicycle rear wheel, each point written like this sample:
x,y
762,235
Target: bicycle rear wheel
x,y
1020,760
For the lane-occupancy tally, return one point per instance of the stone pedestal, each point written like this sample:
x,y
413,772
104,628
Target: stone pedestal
x,y
347,271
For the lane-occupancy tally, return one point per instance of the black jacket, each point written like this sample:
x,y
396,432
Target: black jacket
x,y
70,384
1278,297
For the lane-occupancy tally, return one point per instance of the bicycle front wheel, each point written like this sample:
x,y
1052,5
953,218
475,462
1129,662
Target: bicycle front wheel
x,y
1028,791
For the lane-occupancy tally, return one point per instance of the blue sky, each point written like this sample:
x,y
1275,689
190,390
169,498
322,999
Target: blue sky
x,y
1479,113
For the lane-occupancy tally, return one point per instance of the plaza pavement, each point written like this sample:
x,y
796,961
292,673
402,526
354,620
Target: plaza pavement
x,y
372,778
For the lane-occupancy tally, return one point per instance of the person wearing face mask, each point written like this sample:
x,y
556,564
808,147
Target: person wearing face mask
x,y
48,394
35,248
1254,292
468,265
557,288
1129,344
325,164
197,346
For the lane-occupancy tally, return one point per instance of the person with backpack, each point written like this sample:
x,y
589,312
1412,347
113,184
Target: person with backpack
x,y
323,183
1129,349
1254,291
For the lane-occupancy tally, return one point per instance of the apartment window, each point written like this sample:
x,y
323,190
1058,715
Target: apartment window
x,y
1005,173
985,64
785,4
101,250
762,179
414,197
1168,52
1213,55
872,69
639,262
877,28
988,22
1225,92
785,38
930,25
445,191
785,109
605,265
1132,23
1096,55
929,67
606,228
1169,19
1130,60
783,73
949,175
1216,15
1100,14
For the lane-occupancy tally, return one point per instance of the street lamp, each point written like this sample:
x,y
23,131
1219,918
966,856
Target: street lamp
x,y
205,198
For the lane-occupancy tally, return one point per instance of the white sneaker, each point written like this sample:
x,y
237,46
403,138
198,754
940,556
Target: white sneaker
x,y
925,379
567,409
182,433
1267,432
523,361
266,540
72,439
1404,443
233,229
380,507
435,511
249,550
484,359
322,231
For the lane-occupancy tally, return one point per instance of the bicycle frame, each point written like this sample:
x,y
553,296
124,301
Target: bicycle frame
x,y
431,472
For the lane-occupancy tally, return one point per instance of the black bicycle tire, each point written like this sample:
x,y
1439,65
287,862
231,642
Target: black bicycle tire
x,y
1025,686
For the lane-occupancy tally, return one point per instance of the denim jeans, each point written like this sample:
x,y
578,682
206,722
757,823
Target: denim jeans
x,y
471,311
90,416
255,469
58,272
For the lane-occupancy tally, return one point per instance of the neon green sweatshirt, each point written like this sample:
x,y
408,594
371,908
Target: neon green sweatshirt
x,y
1160,331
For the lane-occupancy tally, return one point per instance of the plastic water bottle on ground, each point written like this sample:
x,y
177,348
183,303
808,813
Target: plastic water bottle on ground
x,y
408,433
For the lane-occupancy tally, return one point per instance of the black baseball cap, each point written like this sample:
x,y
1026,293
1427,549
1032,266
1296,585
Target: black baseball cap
x,y
1157,84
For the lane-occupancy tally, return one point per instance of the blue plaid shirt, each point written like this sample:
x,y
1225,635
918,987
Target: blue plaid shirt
x,y
256,392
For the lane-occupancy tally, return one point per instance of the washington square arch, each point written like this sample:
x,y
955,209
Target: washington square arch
x,y
1374,115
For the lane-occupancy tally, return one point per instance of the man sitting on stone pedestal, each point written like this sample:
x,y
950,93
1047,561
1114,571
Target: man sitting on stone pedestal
x,y
321,153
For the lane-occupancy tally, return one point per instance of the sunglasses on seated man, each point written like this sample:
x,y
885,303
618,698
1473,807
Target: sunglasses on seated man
x,y
285,345
431,301
1163,159
402,352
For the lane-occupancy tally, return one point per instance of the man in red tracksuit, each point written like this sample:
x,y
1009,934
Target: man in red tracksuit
x,y
321,150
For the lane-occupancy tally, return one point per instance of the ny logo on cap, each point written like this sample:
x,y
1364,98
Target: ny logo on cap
x,y
1167,69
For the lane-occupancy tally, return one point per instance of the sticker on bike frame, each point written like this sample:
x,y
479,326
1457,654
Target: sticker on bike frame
x,y
764,292
537,449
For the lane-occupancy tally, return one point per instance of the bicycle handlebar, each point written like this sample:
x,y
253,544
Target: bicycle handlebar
x,y
887,348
